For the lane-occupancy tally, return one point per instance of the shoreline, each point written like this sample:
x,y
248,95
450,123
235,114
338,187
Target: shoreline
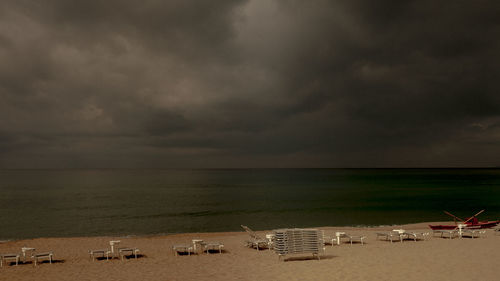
x,y
416,224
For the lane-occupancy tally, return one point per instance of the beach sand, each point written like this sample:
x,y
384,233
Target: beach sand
x,y
434,259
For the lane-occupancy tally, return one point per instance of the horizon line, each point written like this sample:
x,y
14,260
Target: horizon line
x,y
262,168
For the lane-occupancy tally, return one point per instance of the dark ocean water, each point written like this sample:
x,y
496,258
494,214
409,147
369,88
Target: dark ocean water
x,y
53,203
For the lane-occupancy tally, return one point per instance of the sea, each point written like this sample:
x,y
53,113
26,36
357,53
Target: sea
x,y
75,203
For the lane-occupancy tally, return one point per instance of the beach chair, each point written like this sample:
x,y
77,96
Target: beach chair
x,y
182,248
39,256
255,240
350,238
436,231
5,257
355,238
472,233
443,232
127,251
416,235
103,252
213,246
496,231
391,235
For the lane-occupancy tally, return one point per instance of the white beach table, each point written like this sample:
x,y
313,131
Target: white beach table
x,y
339,235
112,245
270,240
197,245
28,250
401,232
461,228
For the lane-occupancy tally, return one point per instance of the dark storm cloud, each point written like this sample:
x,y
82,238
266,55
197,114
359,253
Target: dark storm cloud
x,y
249,83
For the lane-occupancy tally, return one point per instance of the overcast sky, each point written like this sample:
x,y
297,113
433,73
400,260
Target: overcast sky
x,y
258,83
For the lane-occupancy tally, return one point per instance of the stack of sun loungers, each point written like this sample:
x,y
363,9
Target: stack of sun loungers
x,y
255,240
298,241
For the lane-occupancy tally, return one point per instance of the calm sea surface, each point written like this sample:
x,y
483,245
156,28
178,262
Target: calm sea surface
x,y
52,203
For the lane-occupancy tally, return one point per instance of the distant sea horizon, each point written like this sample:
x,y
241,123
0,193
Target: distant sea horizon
x,y
120,201
262,168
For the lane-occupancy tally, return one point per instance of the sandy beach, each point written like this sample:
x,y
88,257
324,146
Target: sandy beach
x,y
433,259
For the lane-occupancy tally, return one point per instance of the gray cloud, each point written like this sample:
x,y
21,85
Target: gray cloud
x,y
249,83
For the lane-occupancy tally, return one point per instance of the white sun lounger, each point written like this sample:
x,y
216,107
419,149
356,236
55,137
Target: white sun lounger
x,y
213,246
416,235
350,238
472,233
255,240
392,235
103,252
46,255
6,257
354,238
128,251
443,232
182,248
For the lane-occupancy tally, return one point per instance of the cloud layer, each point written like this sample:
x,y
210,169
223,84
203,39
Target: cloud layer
x,y
92,84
